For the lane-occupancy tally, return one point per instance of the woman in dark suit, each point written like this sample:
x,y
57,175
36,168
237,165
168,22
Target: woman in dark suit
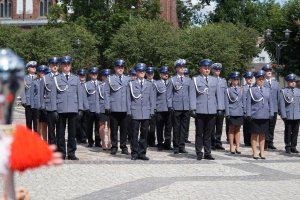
x,y
259,111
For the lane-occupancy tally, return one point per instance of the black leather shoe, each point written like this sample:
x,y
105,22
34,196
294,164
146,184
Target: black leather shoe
x,y
187,141
160,147
72,158
255,157
209,157
90,145
113,151
176,151
261,157
288,150
125,151
199,157
271,146
232,152
294,150
219,147
167,147
144,158
238,152
183,151
152,145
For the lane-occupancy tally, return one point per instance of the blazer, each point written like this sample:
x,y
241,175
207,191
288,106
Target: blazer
x,y
178,93
103,100
234,102
160,93
245,92
85,102
222,84
25,95
140,100
290,103
275,90
48,93
116,92
68,94
35,102
259,103
205,96
92,93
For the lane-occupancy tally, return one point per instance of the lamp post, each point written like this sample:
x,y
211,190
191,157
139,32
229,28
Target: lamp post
x,y
131,10
278,45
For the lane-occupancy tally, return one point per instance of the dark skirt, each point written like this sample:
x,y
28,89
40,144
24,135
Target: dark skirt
x,y
42,116
236,120
103,117
260,126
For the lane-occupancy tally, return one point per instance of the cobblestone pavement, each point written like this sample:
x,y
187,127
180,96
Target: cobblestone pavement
x,y
98,175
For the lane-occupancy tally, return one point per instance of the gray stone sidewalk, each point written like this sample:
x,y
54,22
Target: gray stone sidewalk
x,y
98,175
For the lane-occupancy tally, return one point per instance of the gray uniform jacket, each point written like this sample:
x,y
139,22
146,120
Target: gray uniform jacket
x,y
275,90
290,103
204,96
222,84
85,102
116,91
140,100
160,93
35,102
234,102
25,95
48,93
259,103
68,94
103,100
92,93
245,93
178,93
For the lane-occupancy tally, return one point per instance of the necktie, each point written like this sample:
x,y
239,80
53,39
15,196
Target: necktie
x,y
31,77
141,84
165,82
235,89
206,79
67,77
261,89
181,78
95,83
120,77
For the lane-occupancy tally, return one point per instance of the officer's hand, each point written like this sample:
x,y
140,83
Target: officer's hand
x,y
129,115
249,118
219,112
284,119
155,111
152,115
56,117
171,110
193,113
228,117
24,105
88,112
107,111
271,117
80,113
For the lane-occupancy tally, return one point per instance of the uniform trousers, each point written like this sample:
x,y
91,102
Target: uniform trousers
x,y
52,126
31,116
218,128
151,134
119,119
205,125
187,130
291,130
163,128
139,141
179,127
270,134
81,127
61,143
246,131
93,122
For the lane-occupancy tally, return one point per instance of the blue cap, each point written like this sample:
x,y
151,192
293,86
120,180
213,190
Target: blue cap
x,y
31,64
66,59
260,73
81,72
132,72
150,70
164,69
47,70
94,70
205,62
234,75
186,71
120,63
140,67
41,68
216,66
105,72
53,60
179,62
267,67
248,75
290,77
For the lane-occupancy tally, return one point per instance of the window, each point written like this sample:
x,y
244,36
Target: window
x,y
45,7
5,8
262,59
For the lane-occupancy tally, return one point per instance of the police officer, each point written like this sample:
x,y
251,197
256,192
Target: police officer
x,y
204,98
178,104
246,129
163,117
259,111
30,115
48,98
91,88
140,104
151,133
290,113
273,85
82,121
216,142
117,95
186,139
69,105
